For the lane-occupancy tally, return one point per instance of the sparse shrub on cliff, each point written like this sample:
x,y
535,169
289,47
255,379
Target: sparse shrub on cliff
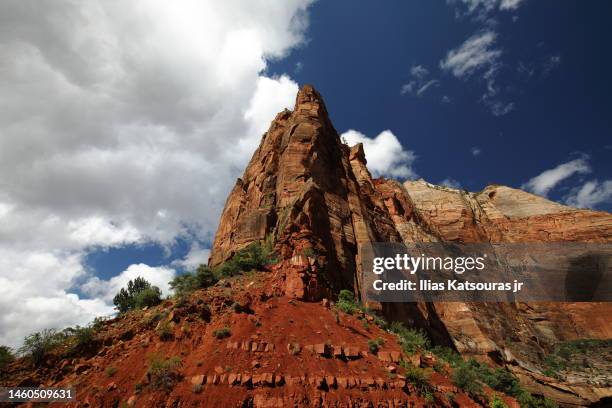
x,y
6,356
346,302
222,333
254,257
418,377
374,345
497,402
99,322
164,331
81,340
526,400
139,293
37,346
499,379
410,339
164,372
203,277
110,371
466,378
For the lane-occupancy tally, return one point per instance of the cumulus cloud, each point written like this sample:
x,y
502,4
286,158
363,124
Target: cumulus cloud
x,y
196,256
384,153
475,151
106,289
123,123
590,194
543,183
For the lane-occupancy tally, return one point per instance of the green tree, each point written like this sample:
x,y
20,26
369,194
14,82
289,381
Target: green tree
x,y
138,294
37,345
6,356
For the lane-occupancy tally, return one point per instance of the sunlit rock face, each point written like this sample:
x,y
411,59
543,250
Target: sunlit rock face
x,y
315,197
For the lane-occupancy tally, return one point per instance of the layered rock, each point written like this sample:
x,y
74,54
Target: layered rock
x,y
317,199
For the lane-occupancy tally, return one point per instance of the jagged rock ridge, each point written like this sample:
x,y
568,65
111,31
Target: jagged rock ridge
x,y
317,199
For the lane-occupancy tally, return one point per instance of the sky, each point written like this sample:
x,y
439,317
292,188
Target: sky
x,y
123,126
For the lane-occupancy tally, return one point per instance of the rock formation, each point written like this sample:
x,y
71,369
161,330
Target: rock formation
x,y
274,339
316,198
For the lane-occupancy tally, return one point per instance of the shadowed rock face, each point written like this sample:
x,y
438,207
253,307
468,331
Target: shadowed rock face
x,y
316,197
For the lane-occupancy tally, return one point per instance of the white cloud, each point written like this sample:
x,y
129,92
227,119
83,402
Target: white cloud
x,y
106,289
450,182
547,180
384,153
484,8
419,84
427,85
446,99
510,4
196,256
475,151
590,194
477,52
479,55
123,123
419,71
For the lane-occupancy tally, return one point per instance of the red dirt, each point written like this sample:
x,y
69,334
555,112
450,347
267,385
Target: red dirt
x,y
278,376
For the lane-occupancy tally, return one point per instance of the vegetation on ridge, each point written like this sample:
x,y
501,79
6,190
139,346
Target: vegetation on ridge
x,y
138,294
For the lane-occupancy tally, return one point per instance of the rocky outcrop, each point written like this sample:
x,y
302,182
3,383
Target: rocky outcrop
x,y
316,198
300,188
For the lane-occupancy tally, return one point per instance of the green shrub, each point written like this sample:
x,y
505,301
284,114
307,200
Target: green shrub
x,y
6,356
164,331
147,298
497,402
37,346
99,322
374,345
139,293
418,377
110,371
466,378
253,257
526,400
222,333
203,277
448,355
469,374
346,302
81,339
411,340
164,372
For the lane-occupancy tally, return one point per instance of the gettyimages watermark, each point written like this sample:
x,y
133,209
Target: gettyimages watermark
x,y
447,272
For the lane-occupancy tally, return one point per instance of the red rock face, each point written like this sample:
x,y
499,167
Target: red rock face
x,y
317,199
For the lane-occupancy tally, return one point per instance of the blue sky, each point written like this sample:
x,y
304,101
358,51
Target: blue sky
x,y
125,125
359,60
555,75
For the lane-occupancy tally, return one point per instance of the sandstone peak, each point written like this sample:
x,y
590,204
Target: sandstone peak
x,y
316,198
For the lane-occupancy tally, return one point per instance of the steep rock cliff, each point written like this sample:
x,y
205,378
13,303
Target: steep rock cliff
x,y
317,199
